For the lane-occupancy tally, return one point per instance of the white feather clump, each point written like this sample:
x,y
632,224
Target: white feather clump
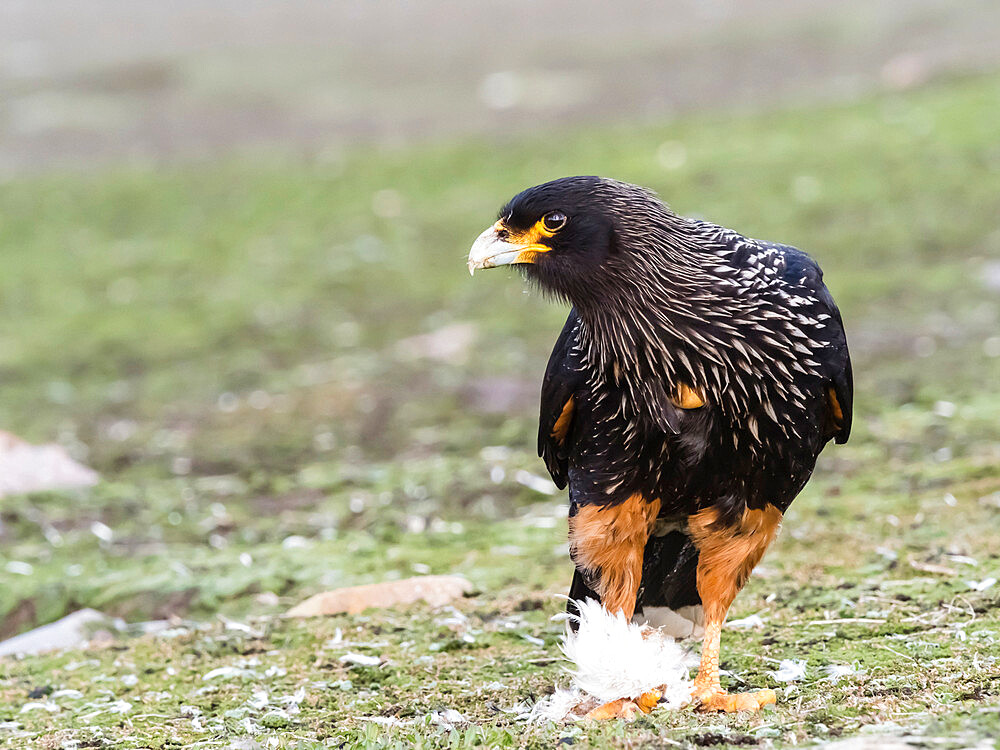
x,y
614,658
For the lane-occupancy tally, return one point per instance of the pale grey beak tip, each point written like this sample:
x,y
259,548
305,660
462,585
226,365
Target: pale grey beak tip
x,y
489,251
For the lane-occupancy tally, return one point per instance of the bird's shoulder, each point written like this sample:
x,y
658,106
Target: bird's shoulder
x,y
792,283
763,262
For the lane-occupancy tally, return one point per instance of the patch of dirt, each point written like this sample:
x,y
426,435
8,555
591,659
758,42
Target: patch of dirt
x,y
153,605
300,499
711,739
22,617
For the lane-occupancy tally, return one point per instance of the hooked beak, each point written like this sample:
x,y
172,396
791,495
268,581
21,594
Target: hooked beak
x,y
489,251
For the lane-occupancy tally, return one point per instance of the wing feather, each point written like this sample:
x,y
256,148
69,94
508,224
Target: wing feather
x,y
835,359
560,386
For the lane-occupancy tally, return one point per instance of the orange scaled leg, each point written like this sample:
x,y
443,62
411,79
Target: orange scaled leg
x,y
727,553
708,692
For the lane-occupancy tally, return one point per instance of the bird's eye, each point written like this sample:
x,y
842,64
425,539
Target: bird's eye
x,y
554,221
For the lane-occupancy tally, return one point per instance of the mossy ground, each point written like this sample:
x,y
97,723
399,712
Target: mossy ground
x,y
222,342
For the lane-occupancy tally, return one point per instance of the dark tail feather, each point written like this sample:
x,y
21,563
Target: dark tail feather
x,y
669,572
669,576
578,591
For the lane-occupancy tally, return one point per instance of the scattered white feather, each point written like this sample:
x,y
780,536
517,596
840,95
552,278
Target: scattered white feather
x,y
295,698
565,704
275,671
66,693
963,560
981,585
19,568
790,670
360,659
49,706
747,623
240,627
249,727
223,672
119,707
613,658
835,671
448,718
385,721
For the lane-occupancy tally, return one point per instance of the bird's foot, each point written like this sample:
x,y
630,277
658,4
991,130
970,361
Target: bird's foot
x,y
714,698
626,708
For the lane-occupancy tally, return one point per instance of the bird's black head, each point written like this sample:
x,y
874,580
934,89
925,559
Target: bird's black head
x,y
566,234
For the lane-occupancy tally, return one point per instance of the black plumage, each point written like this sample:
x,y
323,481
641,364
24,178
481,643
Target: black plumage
x,y
698,369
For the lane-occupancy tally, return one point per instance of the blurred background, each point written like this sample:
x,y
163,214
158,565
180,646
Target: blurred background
x,y
233,241
113,81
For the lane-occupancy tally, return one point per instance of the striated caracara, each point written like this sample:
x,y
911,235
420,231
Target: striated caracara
x,y
698,377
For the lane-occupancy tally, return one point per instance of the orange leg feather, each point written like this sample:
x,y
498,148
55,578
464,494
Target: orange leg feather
x,y
609,542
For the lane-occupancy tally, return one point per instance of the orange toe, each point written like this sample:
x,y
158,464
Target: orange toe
x,y
622,708
625,708
729,703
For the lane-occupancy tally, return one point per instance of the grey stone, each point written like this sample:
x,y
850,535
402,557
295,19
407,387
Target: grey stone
x,y
31,468
73,630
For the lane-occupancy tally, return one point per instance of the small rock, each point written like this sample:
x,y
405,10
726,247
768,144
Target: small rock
x,y
40,692
434,590
72,630
30,468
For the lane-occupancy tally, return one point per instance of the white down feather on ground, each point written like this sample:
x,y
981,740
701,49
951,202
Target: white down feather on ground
x,y
613,658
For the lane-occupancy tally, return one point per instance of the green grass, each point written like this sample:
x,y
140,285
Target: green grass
x,y
221,341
